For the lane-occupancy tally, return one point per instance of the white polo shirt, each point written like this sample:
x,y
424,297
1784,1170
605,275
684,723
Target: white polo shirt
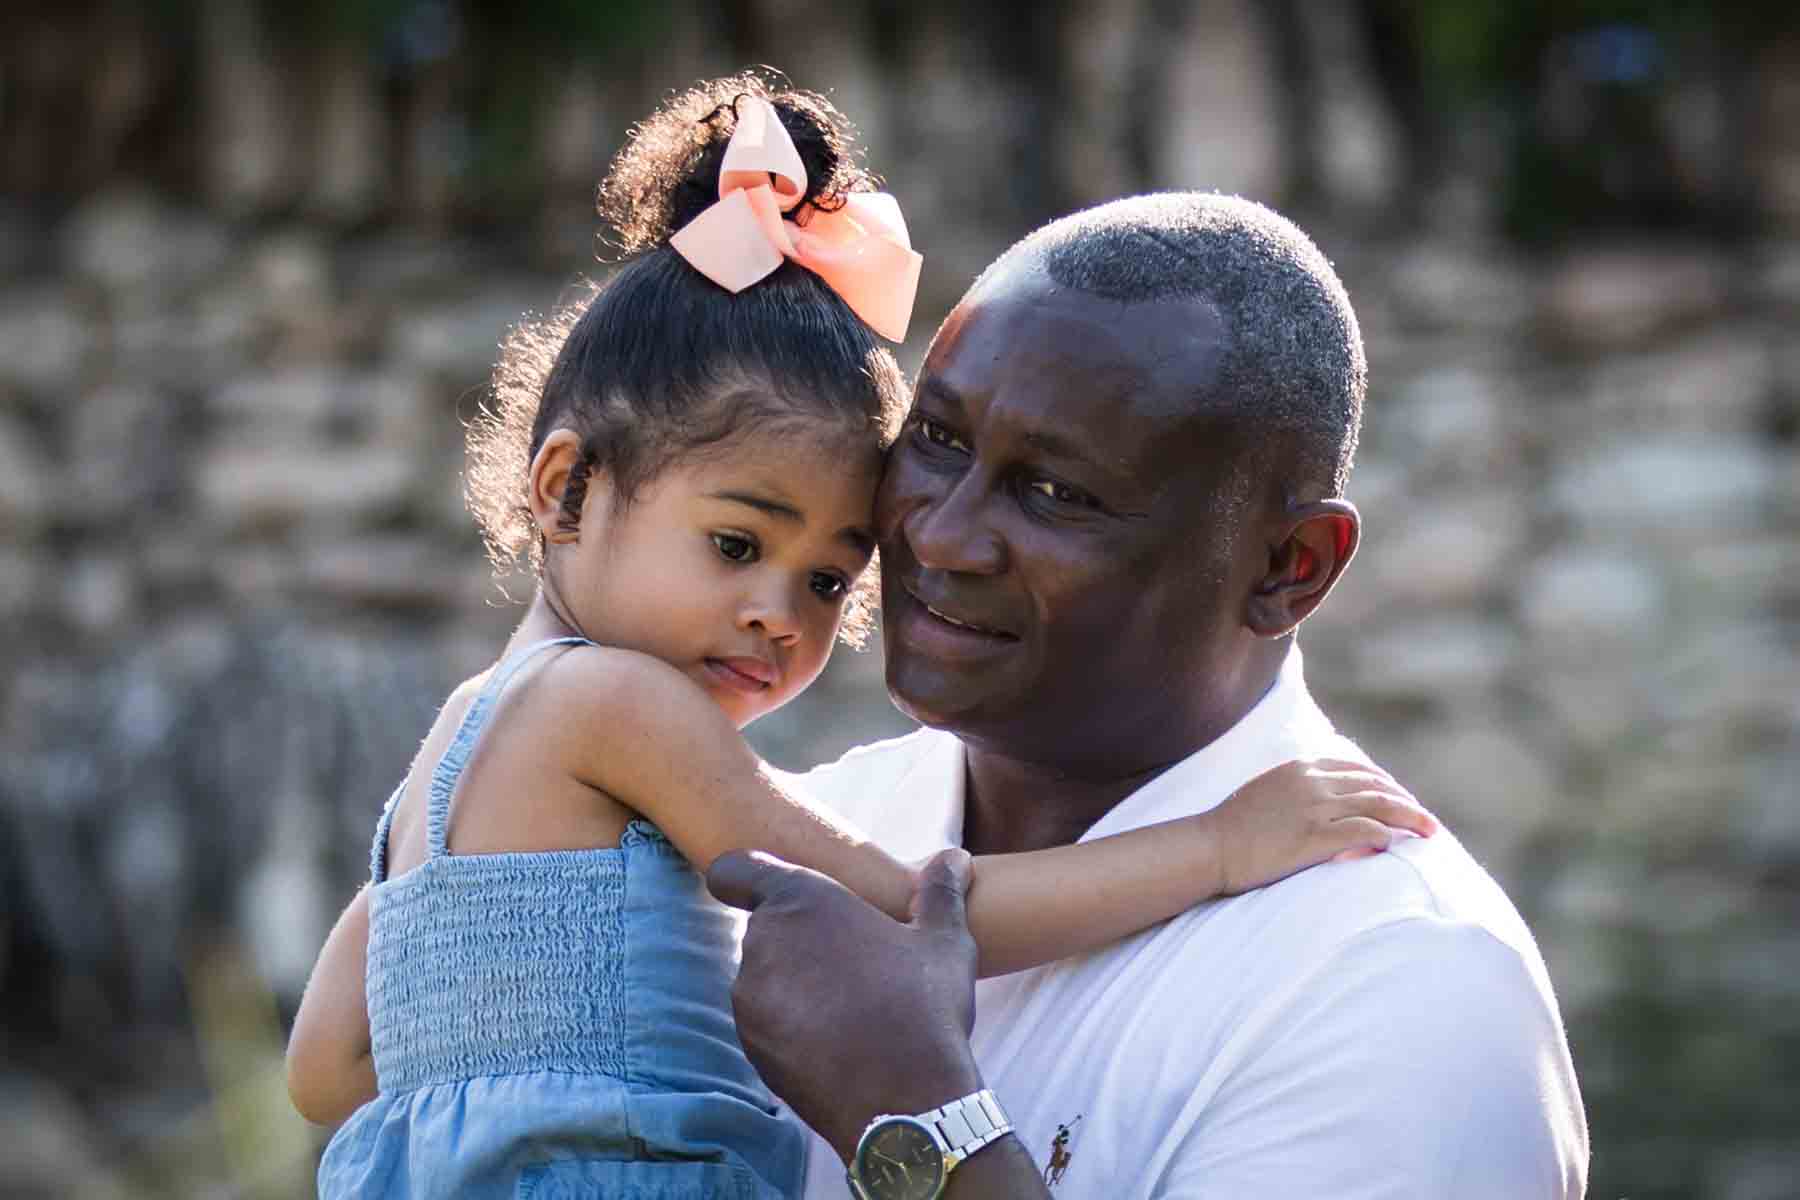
x,y
1382,1028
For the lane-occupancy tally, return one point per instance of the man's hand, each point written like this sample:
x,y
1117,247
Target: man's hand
x,y
846,1012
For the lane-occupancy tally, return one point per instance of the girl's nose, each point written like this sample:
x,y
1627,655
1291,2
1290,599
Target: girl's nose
x,y
771,613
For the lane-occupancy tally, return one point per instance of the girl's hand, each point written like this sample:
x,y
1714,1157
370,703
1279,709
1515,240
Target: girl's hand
x,y
1305,812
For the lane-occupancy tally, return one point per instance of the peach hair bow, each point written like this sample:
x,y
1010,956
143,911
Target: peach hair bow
x,y
861,250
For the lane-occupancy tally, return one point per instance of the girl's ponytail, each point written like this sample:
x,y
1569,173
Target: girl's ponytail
x,y
668,171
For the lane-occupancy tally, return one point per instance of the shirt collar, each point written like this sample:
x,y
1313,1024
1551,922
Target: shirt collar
x,y
1284,724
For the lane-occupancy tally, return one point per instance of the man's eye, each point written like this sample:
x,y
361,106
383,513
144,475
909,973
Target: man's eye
x,y
938,435
827,586
734,548
1062,493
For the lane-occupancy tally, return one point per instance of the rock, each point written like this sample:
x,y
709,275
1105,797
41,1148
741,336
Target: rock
x,y
291,274
348,141
1586,972
45,342
100,594
1434,659
1453,553
1582,593
1761,1170
1454,423
1732,678
1766,820
1609,892
1716,383
1624,296
461,341
1774,150
1664,798
1378,487
174,565
1761,573
392,573
1669,484
22,586
1459,285
1600,892
1592,709
1105,47
1356,140
302,398
383,406
50,1146
408,266
283,905
252,484
1778,271
185,347
127,241
148,864
20,242
26,499
576,129
1222,125
107,431
247,133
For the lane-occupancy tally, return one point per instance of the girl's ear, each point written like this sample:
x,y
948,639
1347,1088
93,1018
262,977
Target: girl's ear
x,y
1315,545
557,461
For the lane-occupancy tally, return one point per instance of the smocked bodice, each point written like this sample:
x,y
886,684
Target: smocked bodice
x,y
554,1016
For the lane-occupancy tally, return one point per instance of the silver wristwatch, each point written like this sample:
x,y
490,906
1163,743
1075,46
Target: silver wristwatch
x,y
910,1158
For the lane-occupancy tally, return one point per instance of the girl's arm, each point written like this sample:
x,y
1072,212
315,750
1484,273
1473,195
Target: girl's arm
x,y
1027,909
330,1071
655,742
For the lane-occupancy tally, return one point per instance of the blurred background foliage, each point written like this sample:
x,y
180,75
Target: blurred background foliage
x,y
255,259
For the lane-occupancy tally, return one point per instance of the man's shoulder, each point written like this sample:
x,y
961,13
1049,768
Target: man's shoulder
x,y
1421,900
1421,885
1216,987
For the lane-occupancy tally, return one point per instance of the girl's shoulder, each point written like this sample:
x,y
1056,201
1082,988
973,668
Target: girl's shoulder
x,y
609,675
582,681
615,699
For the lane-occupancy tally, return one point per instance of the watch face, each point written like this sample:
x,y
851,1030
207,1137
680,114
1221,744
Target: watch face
x,y
897,1160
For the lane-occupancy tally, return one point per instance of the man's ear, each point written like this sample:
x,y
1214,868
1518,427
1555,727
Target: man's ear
x,y
557,461
1315,544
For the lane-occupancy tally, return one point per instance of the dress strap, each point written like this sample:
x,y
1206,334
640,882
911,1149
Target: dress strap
x,y
378,852
450,767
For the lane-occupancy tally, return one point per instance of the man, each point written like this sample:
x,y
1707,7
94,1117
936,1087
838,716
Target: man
x,y
1119,492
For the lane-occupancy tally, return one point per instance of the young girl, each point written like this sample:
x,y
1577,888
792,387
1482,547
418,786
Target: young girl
x,y
532,998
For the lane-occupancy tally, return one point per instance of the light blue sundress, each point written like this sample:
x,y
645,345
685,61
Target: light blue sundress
x,y
554,1024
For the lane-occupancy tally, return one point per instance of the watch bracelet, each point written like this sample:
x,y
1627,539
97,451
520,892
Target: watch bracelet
x,y
968,1123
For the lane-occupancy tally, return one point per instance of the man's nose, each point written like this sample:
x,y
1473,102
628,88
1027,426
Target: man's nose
x,y
951,532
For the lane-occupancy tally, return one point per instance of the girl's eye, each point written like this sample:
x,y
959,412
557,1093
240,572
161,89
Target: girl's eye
x,y
939,435
827,586
1062,493
735,548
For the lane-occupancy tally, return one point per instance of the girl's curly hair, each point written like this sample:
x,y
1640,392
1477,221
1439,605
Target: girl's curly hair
x,y
657,363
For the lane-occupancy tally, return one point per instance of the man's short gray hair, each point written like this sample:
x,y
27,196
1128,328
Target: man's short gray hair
x,y
1293,363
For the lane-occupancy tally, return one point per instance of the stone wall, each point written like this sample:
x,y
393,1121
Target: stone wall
x,y
235,577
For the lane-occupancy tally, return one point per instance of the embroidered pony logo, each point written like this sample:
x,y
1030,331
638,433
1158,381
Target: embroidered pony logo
x,y
1060,1158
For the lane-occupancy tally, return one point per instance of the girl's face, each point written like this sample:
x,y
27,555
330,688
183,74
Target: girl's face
x,y
734,568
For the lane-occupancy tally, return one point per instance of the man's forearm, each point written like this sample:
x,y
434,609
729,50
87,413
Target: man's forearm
x,y
847,1014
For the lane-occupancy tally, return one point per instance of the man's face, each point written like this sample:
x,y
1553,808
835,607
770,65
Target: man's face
x,y
1065,535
